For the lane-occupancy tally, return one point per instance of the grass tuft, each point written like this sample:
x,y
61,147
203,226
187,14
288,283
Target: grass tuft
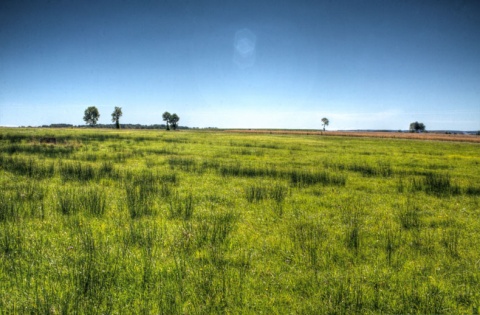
x,y
76,171
305,178
409,216
139,199
68,201
94,201
256,193
181,207
436,184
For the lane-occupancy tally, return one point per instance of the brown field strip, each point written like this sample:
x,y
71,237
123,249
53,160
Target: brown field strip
x,y
372,134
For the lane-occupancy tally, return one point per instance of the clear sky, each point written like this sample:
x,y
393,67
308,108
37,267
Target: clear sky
x,y
243,64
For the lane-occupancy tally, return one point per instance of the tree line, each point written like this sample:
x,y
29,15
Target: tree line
x,y
91,116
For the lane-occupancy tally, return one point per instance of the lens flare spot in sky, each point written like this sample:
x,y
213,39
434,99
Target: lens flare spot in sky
x,y
244,48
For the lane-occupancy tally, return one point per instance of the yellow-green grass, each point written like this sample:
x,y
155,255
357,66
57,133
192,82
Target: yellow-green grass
x,y
107,221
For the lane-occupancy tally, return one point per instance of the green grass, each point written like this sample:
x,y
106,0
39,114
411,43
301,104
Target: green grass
x,y
157,222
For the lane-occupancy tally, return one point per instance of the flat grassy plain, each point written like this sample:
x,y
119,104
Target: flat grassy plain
x,y
192,222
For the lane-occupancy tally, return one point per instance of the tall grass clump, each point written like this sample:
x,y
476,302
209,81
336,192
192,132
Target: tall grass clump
x,y
278,193
381,169
143,188
139,200
248,171
181,207
215,230
259,192
9,207
30,196
472,190
95,272
47,150
305,178
150,180
451,241
68,201
308,238
94,201
11,239
170,178
352,213
142,233
256,193
77,171
439,184
106,169
436,184
392,241
22,200
401,186
352,237
184,164
165,190
13,137
409,216
27,167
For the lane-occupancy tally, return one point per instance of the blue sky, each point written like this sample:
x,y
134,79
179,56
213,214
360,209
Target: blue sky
x,y
243,64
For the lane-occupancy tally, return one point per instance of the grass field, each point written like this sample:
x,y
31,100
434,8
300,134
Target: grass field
x,y
158,222
370,134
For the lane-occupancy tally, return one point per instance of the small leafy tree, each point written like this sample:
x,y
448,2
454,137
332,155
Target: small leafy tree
x,y
417,127
174,121
117,113
166,117
91,116
325,122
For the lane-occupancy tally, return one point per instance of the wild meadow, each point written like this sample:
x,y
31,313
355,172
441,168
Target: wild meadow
x,y
192,222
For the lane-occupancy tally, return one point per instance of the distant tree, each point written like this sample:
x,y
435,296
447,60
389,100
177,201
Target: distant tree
x,y
174,121
325,122
166,117
117,113
91,116
417,127
421,127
